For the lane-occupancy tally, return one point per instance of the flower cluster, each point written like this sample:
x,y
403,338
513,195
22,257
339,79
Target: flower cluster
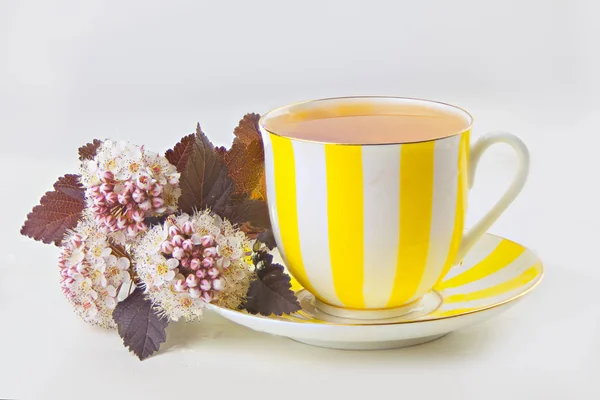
x,y
92,272
193,260
125,184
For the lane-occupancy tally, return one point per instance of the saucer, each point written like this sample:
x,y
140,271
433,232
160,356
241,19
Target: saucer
x,y
494,275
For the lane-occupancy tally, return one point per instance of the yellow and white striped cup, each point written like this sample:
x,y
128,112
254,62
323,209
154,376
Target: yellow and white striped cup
x,y
372,227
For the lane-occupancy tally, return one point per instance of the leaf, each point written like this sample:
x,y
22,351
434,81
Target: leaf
x,y
219,194
139,325
245,160
247,130
58,211
251,215
267,238
69,185
88,151
271,292
179,155
262,257
204,181
260,191
156,220
246,165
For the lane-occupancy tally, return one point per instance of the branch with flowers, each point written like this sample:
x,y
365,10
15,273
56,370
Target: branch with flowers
x,y
146,239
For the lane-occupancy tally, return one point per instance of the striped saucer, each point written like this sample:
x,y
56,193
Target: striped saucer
x,y
493,276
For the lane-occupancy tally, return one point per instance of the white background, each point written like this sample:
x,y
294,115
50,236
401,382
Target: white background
x,y
147,71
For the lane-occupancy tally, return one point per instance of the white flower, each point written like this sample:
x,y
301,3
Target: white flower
x,y
191,260
111,297
91,274
113,269
166,270
125,184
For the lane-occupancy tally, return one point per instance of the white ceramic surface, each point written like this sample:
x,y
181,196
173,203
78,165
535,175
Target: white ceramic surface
x,y
494,275
400,206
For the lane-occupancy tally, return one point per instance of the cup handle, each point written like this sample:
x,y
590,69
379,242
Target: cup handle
x,y
477,150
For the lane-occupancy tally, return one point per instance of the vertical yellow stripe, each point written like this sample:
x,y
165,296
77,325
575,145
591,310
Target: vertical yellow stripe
x,y
345,219
505,253
287,213
461,203
416,206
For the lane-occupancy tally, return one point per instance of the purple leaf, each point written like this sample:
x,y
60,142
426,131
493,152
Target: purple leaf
x,y
141,328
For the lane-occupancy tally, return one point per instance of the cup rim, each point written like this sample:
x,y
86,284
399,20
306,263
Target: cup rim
x,y
270,114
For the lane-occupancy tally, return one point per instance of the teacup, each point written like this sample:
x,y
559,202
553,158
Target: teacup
x,y
370,223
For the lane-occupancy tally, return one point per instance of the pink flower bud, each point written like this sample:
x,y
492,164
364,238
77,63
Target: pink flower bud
x,y
205,284
177,240
131,230
166,247
210,252
178,253
195,264
124,198
180,285
208,262
137,215
110,220
112,198
138,196
129,186
156,190
143,182
93,190
208,241
121,222
174,231
76,240
97,209
141,227
187,245
196,239
187,228
185,262
191,281
206,297
99,201
194,293
157,202
106,176
99,219
174,180
201,273
106,188
213,272
146,205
